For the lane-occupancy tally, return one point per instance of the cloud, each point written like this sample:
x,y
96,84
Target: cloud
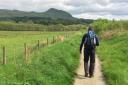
x,y
79,8
32,5
100,8
101,15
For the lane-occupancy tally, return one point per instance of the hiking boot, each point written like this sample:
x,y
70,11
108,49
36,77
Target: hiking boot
x,y
91,75
86,75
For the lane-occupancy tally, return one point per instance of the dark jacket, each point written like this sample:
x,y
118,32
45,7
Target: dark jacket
x,y
85,45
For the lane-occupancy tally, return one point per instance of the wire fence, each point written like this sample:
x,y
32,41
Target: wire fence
x,y
28,49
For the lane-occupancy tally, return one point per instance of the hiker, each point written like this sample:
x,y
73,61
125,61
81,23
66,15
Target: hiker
x,y
90,41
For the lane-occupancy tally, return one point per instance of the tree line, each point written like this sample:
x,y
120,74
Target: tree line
x,y
102,25
47,20
29,26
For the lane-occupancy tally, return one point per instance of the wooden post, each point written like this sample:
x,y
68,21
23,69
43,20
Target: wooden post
x,y
47,41
53,40
38,44
25,52
4,55
28,51
56,39
14,56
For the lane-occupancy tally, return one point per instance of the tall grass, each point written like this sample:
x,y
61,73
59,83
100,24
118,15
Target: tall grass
x,y
113,50
103,25
114,56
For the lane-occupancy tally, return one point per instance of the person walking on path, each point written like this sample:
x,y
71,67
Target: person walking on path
x,y
90,41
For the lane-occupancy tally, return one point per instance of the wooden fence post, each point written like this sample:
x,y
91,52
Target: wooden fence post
x,y
4,55
47,41
53,40
38,44
25,52
14,56
56,39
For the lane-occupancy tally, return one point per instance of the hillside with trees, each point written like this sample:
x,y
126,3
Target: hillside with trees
x,y
51,16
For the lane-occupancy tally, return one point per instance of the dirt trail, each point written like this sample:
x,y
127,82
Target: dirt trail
x,y
96,80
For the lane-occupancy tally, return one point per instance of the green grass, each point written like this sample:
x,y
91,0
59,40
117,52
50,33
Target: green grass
x,y
114,56
14,40
52,65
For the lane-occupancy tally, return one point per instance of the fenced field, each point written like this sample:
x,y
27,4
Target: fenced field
x,y
16,46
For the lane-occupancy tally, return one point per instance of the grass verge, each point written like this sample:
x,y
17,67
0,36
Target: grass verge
x,y
114,56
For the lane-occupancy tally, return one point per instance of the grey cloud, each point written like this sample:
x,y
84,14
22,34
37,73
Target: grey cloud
x,y
116,1
107,7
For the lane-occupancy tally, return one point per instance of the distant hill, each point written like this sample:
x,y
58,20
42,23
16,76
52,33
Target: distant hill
x,y
51,16
54,13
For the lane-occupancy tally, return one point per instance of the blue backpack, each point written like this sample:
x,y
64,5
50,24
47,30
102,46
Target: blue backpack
x,y
90,40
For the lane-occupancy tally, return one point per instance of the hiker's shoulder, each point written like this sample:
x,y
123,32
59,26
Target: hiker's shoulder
x,y
85,35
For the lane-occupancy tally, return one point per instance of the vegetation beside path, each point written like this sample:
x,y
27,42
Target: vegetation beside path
x,y
113,50
114,56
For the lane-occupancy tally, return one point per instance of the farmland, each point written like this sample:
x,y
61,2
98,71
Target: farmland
x,y
55,64
44,62
14,41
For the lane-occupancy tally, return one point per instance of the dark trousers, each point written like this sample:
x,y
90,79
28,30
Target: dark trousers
x,y
89,54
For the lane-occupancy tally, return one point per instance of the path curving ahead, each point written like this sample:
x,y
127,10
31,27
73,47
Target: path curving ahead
x,y
98,78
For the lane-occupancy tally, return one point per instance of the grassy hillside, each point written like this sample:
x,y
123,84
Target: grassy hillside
x,y
52,65
51,16
51,13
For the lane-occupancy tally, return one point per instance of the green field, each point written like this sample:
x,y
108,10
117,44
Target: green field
x,y
14,42
55,64
51,65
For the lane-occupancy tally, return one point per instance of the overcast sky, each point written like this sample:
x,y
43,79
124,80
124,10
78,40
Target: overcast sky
x,y
92,9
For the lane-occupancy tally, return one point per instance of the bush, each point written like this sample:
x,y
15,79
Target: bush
x,y
102,25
